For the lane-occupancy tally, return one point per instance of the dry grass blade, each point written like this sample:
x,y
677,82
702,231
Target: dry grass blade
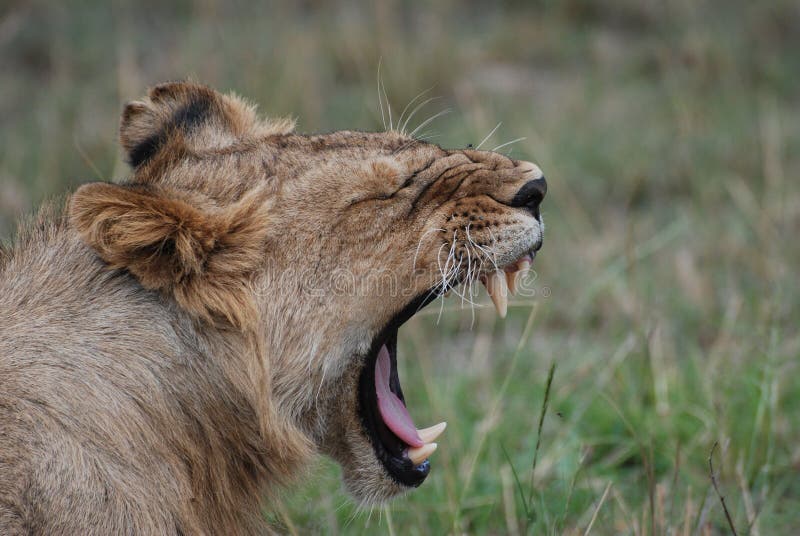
x,y
597,510
716,488
545,404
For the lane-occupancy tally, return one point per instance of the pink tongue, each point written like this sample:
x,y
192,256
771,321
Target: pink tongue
x,y
394,412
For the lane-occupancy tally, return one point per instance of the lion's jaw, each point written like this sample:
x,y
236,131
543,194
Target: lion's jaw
x,y
320,247
360,279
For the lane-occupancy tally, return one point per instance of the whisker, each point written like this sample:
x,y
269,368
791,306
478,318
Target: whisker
x,y
388,105
509,143
471,277
427,135
380,100
489,135
419,244
450,256
439,265
471,300
427,121
470,273
483,250
469,270
444,280
494,253
453,273
412,101
414,111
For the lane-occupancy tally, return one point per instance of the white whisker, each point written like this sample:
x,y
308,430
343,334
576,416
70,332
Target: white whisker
x,y
483,250
412,101
469,267
455,270
441,269
380,99
419,244
414,111
427,136
494,253
388,105
444,280
427,121
489,135
508,143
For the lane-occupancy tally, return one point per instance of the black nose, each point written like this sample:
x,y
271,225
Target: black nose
x,y
531,195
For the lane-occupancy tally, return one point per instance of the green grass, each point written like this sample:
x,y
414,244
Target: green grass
x,y
667,294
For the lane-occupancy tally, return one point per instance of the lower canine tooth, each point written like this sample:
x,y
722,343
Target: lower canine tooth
x,y
497,288
512,278
429,434
511,281
420,454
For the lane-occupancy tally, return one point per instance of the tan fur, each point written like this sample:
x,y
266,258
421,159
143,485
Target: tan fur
x,y
174,348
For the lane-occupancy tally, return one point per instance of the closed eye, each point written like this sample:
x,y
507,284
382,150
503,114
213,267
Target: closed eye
x,y
383,196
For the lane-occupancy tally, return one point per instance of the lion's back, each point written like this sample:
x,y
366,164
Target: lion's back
x,y
78,453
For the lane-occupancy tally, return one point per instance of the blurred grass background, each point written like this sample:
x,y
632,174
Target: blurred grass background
x,y
667,291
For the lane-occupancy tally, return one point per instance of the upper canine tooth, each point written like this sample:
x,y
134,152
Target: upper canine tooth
x,y
498,290
427,435
420,454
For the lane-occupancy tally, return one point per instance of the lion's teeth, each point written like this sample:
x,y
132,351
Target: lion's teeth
x,y
511,281
420,454
497,288
427,435
512,278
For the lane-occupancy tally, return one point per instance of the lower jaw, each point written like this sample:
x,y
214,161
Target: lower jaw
x,y
387,447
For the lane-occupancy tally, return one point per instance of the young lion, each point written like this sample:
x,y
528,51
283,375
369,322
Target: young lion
x,y
175,347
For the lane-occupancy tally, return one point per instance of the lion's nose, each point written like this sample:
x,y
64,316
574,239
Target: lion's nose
x,y
532,192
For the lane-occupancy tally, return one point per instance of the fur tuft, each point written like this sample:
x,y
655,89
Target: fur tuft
x,y
179,244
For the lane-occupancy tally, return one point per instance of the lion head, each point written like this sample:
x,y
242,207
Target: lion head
x,y
317,248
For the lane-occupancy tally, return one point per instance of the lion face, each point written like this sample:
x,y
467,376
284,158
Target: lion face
x,y
321,247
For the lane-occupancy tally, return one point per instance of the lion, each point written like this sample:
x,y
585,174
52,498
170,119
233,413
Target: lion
x,y
177,347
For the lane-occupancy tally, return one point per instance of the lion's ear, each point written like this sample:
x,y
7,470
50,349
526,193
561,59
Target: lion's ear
x,y
188,116
202,254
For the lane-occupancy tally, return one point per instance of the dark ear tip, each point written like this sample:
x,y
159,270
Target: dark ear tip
x,y
132,110
167,89
175,89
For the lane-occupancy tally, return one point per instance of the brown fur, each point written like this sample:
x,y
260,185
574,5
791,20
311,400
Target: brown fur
x,y
163,364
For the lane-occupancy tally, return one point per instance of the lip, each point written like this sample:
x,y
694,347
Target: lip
x,y
388,448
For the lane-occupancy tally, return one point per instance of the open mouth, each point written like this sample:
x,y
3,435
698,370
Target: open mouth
x,y
402,448
398,444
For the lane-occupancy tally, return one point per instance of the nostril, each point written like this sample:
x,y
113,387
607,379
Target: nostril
x,y
531,194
